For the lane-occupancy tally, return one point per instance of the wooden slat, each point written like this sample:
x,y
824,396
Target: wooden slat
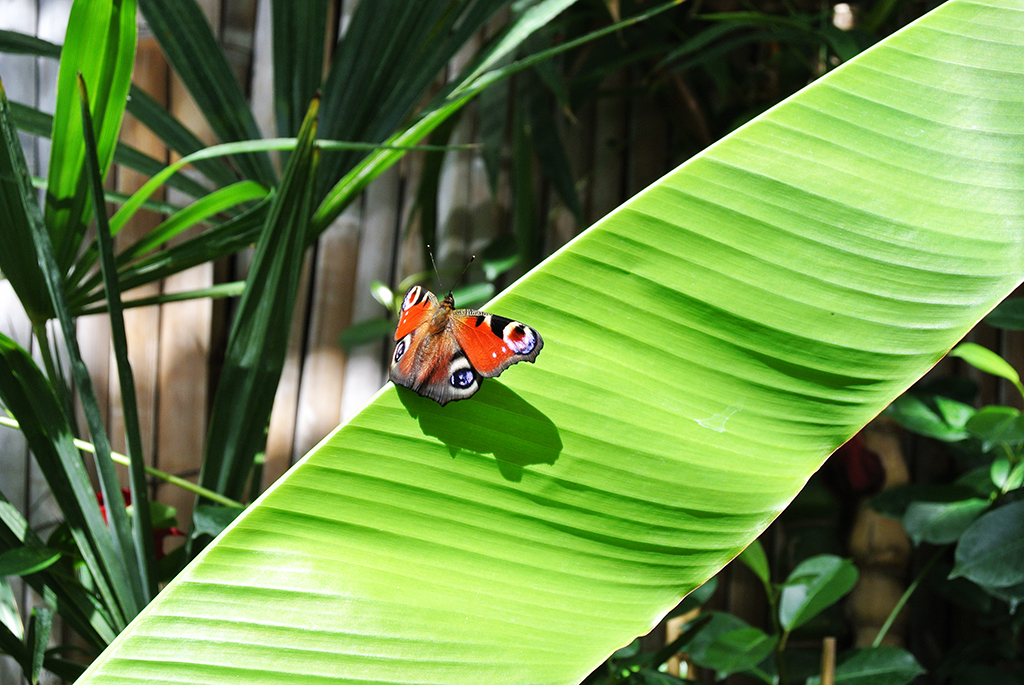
x,y
364,371
185,335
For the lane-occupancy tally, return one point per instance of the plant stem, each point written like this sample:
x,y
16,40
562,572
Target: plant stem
x,y
156,473
906,596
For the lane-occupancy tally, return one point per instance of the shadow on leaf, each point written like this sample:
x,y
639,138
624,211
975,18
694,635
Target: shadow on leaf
x,y
494,421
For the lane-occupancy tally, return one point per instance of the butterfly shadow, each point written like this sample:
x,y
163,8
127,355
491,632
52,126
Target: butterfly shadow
x,y
495,421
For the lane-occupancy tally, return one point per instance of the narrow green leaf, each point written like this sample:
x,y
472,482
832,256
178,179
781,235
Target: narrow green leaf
x,y
18,212
143,579
233,289
371,330
30,399
9,616
259,334
390,54
191,48
988,361
757,561
38,635
199,211
298,33
31,120
178,137
22,561
991,550
813,586
78,607
99,45
21,44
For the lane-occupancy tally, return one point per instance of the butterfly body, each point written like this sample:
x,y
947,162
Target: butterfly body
x,y
444,353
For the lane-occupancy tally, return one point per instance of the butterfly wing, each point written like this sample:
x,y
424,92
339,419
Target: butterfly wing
x,y
444,354
427,359
493,343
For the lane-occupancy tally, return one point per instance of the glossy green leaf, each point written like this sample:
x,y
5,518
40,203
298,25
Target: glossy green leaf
x,y
18,211
729,645
876,666
259,334
813,586
991,550
939,522
995,425
757,561
142,529
191,48
99,45
37,636
933,416
299,30
707,346
22,561
988,361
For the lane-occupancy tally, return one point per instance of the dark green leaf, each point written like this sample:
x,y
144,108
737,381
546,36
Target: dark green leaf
x,y
814,585
996,424
78,607
499,256
933,416
364,332
191,48
162,515
99,45
20,44
22,561
941,522
991,550
697,598
729,645
298,30
18,211
142,533
1008,314
31,401
757,561
878,666
209,519
259,335
37,636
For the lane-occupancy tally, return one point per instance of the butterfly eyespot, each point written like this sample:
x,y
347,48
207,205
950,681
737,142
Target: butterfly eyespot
x,y
519,338
463,378
412,297
399,350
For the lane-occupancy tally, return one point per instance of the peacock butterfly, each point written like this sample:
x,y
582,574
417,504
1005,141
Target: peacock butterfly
x,y
444,353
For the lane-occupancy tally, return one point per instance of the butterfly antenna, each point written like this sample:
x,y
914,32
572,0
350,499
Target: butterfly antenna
x,y
434,264
466,268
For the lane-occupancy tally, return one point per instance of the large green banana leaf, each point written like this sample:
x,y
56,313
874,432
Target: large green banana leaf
x,y
706,347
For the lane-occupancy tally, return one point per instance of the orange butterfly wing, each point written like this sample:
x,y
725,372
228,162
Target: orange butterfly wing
x,y
444,354
493,343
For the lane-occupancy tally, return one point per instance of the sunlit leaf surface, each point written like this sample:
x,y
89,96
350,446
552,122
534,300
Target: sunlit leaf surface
x,y
706,347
